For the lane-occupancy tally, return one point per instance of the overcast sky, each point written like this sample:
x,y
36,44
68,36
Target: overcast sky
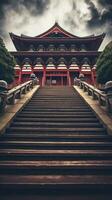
x,y
32,17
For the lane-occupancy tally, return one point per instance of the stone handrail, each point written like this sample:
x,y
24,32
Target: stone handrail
x,y
9,98
103,98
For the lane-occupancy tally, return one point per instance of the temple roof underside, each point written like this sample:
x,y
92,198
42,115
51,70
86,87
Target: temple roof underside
x,y
20,56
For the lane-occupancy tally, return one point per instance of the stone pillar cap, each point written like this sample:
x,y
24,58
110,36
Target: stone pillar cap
x,y
81,75
3,85
32,75
108,85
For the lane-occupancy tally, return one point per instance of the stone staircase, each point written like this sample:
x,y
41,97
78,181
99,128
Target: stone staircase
x,y
56,148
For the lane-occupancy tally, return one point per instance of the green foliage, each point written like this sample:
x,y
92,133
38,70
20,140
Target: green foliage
x,y
104,65
7,64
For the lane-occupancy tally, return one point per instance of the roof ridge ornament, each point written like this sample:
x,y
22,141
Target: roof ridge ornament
x,y
56,23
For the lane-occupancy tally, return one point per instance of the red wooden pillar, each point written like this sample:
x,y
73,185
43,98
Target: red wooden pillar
x,y
50,80
92,77
62,80
68,78
44,76
20,76
80,69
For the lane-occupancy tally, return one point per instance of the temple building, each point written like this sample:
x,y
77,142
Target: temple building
x,y
56,57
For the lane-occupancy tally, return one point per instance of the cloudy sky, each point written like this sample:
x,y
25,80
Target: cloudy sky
x,y
32,17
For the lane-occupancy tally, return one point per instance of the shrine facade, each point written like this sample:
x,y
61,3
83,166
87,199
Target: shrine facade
x,y
56,57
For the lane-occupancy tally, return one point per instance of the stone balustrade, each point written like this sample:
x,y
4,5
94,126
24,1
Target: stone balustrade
x,y
103,98
10,97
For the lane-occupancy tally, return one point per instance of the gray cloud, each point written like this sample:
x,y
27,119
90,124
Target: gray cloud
x,y
100,17
34,7
95,15
107,3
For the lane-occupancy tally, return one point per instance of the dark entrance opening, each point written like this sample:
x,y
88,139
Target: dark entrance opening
x,y
56,80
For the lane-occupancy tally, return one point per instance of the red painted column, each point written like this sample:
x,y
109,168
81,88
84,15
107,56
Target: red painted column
x,y
44,76
20,77
79,69
92,77
68,77
50,80
61,80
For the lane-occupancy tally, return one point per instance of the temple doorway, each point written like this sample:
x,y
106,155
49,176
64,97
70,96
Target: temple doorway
x,y
56,80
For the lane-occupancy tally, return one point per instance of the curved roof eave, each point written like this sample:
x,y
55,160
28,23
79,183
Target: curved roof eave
x,y
27,38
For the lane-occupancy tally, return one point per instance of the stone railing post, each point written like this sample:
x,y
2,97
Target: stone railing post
x,y
88,91
18,96
11,101
84,88
32,85
3,102
81,85
24,90
78,82
99,99
109,103
93,95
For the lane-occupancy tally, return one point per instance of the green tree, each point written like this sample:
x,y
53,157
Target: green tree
x,y
7,64
104,65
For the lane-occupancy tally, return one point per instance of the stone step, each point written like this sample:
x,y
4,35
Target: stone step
x,y
55,145
56,114
57,109
61,105
57,124
31,154
57,183
58,130
57,186
56,137
56,119
43,99
84,167
37,99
